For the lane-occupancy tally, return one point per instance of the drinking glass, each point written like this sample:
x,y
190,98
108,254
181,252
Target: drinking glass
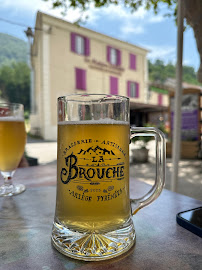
x,y
93,217
12,144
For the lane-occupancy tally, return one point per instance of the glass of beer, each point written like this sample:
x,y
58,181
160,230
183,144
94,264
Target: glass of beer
x,y
93,217
12,144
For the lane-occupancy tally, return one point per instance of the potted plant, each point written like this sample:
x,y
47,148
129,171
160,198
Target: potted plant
x,y
140,152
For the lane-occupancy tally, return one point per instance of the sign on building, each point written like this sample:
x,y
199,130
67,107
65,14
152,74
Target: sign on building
x,y
190,117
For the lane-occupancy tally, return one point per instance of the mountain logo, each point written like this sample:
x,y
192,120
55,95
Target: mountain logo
x,y
96,151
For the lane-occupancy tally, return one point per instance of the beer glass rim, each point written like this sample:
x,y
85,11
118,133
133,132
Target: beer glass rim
x,y
9,104
92,97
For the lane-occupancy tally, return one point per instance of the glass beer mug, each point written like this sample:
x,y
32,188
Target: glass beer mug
x,y
93,217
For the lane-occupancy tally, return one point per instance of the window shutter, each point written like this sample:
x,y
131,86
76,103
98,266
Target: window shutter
x,y
160,99
108,53
137,90
80,79
73,42
113,85
118,57
133,61
128,88
87,46
83,80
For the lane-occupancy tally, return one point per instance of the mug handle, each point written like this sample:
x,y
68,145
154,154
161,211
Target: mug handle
x,y
156,189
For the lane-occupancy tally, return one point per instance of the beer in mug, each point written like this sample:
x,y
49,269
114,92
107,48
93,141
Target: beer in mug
x,y
93,169
93,217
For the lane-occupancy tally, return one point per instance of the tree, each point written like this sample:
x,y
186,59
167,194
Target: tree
x,y
193,15
12,49
15,83
160,72
157,71
192,12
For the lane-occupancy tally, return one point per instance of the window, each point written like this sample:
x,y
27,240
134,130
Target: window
x,y
132,61
133,89
113,56
80,79
113,85
160,99
80,44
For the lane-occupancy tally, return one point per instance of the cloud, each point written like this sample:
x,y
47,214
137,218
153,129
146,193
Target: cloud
x,y
141,15
71,16
119,12
124,13
187,62
130,23
156,19
25,5
34,5
161,52
130,28
75,14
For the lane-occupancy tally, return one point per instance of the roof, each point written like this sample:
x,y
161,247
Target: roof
x,y
147,107
170,85
41,15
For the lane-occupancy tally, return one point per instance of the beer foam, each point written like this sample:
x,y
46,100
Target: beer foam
x,y
106,121
11,119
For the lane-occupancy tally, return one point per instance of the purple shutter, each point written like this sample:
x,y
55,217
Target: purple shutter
x,y
128,88
160,99
87,46
83,80
108,53
133,61
118,57
113,85
137,90
80,79
73,42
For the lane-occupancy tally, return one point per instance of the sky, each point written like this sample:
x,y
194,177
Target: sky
x,y
156,33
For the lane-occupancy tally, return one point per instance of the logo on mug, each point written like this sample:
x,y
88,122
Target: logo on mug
x,y
92,165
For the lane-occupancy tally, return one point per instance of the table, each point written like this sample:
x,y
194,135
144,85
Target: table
x,y
26,221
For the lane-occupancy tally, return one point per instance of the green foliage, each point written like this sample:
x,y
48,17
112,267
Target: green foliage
x,y
26,115
145,139
133,5
159,72
158,90
162,127
14,72
12,49
15,83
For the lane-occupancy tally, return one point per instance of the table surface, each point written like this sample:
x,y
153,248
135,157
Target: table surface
x,y
26,222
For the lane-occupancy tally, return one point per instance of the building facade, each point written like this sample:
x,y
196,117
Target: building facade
x,y
69,59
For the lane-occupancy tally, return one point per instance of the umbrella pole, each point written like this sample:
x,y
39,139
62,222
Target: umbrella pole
x,y
176,140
